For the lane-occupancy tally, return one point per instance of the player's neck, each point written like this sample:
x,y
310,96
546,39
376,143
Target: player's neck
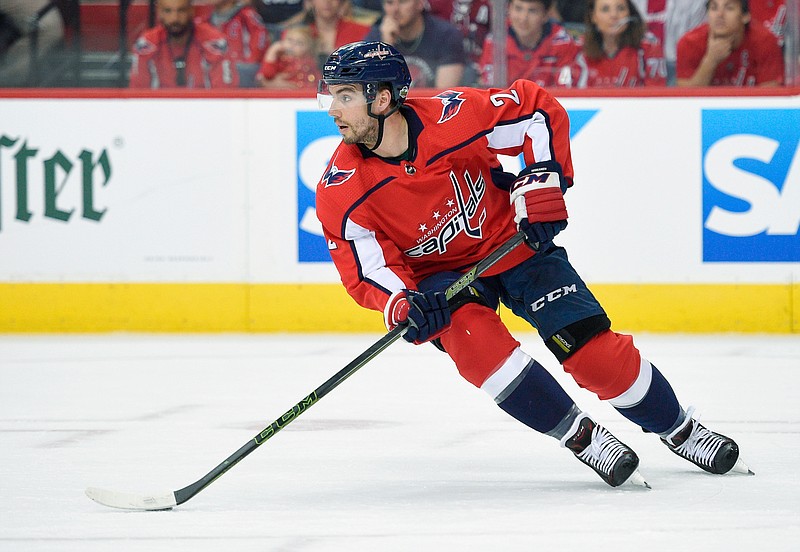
x,y
395,136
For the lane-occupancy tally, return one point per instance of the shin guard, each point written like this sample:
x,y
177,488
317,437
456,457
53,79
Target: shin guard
x,y
607,365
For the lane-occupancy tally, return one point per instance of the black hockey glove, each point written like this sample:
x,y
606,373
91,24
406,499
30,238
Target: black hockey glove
x,y
427,314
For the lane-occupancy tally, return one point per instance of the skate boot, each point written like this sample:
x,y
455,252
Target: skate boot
x,y
706,449
596,447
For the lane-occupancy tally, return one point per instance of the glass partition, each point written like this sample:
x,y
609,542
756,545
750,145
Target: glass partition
x,y
90,43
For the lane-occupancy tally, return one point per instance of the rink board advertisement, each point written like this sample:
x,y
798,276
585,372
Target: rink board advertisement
x,y
198,214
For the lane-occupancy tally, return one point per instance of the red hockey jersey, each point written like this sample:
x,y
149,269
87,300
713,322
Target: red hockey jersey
x,y
390,224
629,68
772,14
204,62
245,32
548,65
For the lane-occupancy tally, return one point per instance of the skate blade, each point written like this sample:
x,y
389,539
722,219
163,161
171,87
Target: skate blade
x,y
637,479
741,467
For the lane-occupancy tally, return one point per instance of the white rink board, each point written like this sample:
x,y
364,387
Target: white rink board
x,y
209,190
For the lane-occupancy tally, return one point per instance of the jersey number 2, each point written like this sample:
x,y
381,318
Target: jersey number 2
x,y
499,99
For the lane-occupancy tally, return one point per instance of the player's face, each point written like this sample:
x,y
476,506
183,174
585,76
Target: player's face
x,y
726,18
348,108
611,16
176,16
527,18
403,12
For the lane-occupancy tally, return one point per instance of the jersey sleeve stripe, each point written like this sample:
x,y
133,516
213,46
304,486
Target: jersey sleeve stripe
x,y
370,259
537,128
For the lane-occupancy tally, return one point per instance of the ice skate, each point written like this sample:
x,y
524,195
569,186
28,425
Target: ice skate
x,y
596,447
704,448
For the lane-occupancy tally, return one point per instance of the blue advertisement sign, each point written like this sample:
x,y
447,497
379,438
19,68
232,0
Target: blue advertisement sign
x,y
751,185
317,138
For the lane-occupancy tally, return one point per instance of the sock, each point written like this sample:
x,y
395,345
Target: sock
x,y
659,410
536,399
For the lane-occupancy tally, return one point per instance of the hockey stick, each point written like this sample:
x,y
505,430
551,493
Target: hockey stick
x,y
170,499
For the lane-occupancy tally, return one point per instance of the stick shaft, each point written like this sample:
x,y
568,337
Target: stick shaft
x,y
184,494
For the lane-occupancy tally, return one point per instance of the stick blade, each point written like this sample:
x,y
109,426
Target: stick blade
x,y
130,501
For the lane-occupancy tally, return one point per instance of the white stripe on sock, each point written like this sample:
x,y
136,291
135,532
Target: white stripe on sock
x,y
638,389
507,373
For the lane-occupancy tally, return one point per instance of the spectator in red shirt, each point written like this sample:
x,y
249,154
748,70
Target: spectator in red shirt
x,y
331,28
537,48
291,62
246,34
728,50
617,51
654,13
180,53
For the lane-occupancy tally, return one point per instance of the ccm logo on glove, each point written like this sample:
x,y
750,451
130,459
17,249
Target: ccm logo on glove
x,y
538,199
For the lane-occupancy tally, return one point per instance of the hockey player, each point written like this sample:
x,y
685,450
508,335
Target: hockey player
x,y
415,194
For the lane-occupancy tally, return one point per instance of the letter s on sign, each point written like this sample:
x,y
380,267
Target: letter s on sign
x,y
771,210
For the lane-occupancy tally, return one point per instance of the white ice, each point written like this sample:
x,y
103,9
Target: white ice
x,y
403,456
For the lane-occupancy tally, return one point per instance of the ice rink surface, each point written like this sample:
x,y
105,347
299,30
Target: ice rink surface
x,y
403,456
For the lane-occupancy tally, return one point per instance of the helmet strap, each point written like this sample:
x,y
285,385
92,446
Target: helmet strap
x,y
381,121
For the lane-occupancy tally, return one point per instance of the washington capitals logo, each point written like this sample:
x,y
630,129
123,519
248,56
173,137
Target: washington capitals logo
x,y
378,52
335,177
451,101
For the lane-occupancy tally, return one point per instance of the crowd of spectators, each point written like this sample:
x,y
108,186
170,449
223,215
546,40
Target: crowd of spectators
x,y
556,43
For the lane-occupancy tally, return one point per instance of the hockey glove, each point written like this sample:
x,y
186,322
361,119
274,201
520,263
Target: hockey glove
x,y
538,199
427,314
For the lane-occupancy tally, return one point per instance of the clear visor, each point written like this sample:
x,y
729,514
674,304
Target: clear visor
x,y
340,96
